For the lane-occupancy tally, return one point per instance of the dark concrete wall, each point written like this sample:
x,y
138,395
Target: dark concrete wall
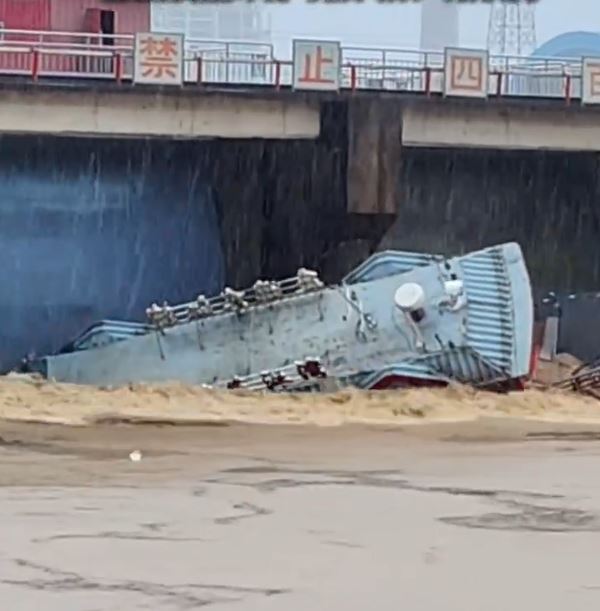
x,y
374,156
456,201
97,229
579,327
284,204
94,229
101,228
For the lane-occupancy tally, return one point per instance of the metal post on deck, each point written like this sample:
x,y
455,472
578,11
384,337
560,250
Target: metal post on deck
x,y
428,81
199,70
277,75
383,73
353,77
568,89
35,64
227,62
499,83
118,67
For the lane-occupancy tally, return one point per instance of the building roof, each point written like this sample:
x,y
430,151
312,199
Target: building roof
x,y
571,44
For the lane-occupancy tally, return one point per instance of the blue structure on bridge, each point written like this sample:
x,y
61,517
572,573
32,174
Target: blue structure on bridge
x,y
571,45
543,73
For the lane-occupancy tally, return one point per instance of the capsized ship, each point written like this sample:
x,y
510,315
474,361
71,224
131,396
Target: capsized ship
x,y
398,318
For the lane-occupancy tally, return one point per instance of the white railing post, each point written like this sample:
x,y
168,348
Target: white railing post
x,y
227,62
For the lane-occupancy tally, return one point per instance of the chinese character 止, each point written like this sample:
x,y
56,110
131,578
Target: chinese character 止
x,y
313,70
316,65
466,73
159,57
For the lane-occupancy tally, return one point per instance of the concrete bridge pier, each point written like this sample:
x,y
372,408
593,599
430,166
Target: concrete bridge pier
x,y
369,135
323,203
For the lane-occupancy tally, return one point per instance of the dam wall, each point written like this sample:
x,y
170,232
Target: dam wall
x,y
548,201
98,229
101,228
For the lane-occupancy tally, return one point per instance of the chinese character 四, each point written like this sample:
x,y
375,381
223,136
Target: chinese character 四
x,y
466,73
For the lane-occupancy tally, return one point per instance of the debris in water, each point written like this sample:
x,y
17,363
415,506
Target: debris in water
x,y
135,456
584,379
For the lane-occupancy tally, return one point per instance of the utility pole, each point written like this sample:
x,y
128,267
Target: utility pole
x,y
511,28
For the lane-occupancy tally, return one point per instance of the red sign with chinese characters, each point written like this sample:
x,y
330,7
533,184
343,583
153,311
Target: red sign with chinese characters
x,y
159,59
316,65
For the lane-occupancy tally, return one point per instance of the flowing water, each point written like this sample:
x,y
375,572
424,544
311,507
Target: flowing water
x,y
431,499
25,398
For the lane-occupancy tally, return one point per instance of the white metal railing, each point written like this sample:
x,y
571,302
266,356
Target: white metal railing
x,y
58,38
86,55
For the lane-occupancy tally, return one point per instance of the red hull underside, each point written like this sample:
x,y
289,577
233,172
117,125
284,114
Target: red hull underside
x,y
392,382
395,382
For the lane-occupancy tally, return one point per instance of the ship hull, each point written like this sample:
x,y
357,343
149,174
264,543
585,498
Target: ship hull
x,y
480,334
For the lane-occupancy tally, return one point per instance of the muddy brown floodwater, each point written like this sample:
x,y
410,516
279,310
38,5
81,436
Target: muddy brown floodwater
x,y
448,501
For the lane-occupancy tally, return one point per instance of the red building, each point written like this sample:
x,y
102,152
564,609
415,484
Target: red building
x,y
93,16
94,24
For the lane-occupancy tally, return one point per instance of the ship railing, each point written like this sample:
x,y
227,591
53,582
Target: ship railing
x,y
105,332
262,293
303,375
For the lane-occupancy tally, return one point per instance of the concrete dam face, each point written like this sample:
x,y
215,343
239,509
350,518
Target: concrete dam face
x,y
101,228
98,229
458,200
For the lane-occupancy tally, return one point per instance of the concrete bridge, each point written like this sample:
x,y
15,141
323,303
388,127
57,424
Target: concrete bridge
x,y
237,90
91,108
376,124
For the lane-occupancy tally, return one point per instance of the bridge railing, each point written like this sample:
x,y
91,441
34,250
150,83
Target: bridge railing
x,y
410,58
229,61
34,61
537,76
56,53
253,70
59,55
83,55
59,38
